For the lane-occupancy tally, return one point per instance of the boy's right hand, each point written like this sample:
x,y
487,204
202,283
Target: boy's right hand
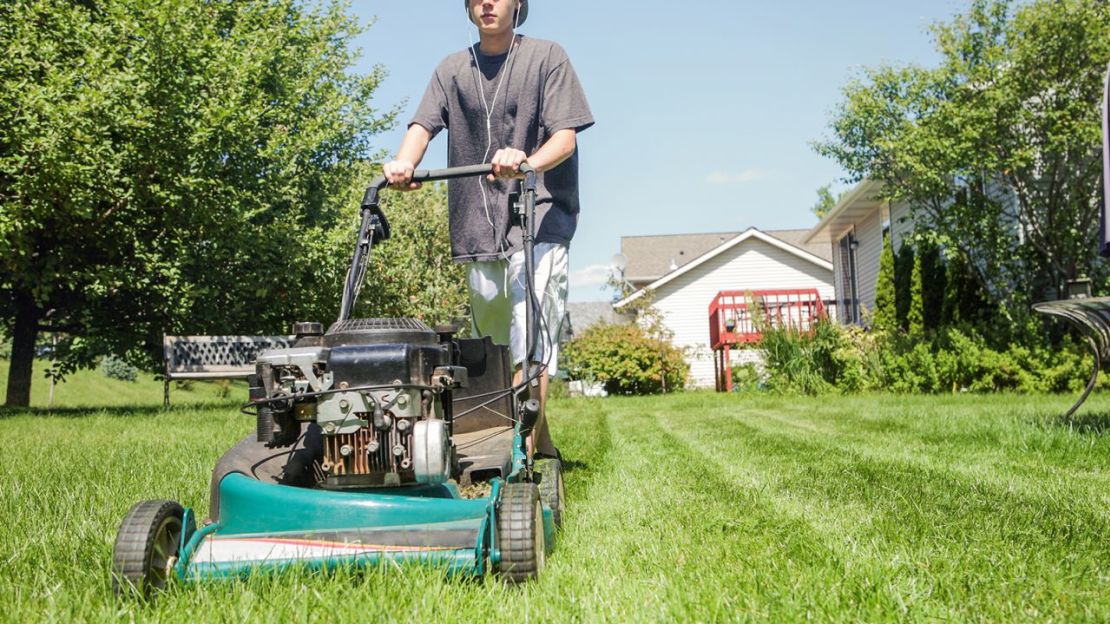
x,y
399,175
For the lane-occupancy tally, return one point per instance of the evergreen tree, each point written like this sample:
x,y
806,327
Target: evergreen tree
x,y
903,270
933,283
885,318
915,318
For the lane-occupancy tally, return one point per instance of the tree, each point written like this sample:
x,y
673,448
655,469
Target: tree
x,y
825,202
886,316
915,317
903,274
996,145
412,274
932,282
174,166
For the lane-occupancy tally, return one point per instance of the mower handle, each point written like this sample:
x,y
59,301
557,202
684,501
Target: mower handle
x,y
450,173
374,225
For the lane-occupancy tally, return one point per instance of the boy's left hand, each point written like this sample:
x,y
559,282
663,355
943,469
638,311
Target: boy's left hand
x,y
506,164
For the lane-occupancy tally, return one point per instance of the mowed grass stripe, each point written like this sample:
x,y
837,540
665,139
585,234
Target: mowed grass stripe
x,y
695,546
1015,455
953,545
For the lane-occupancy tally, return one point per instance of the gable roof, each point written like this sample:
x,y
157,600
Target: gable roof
x,y
727,245
650,257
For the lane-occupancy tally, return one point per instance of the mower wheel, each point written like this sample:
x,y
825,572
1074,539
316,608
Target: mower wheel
x,y
549,475
146,548
520,534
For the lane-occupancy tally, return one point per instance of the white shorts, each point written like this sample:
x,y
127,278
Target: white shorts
x,y
497,304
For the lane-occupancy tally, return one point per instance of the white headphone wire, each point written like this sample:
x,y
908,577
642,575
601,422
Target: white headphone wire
x,y
489,108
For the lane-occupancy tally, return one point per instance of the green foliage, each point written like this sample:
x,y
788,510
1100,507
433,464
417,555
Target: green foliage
x,y
825,202
915,317
747,378
114,367
823,360
626,359
932,283
1004,131
412,274
964,301
177,167
885,317
835,358
903,273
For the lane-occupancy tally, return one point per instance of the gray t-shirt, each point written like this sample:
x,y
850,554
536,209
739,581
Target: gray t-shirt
x,y
539,96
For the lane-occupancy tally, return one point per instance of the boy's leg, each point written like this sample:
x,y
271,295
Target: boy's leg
x,y
491,311
550,281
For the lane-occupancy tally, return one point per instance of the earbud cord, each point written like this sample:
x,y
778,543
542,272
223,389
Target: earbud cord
x,y
489,108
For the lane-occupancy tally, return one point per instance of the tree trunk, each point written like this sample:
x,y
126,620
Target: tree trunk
x,y
23,350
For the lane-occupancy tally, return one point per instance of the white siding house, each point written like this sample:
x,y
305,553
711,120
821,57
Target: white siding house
x,y
853,231
750,260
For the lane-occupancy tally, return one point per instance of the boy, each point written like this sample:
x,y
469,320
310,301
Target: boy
x,y
520,100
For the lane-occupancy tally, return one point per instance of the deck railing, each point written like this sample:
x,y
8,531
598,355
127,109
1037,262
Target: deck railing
x,y
739,317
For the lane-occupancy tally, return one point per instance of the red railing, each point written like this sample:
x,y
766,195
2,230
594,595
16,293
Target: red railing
x,y
738,316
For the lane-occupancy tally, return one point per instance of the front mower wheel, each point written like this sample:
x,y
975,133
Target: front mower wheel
x,y
146,548
520,533
550,472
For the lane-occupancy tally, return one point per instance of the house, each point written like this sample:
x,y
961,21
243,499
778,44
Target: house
x,y
852,236
685,272
581,316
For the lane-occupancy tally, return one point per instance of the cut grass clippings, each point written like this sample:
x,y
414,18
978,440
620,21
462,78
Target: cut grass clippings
x,y
695,507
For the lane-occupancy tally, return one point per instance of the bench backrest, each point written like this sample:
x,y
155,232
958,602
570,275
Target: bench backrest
x,y
217,356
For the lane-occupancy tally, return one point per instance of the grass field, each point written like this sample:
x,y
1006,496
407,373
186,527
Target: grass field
x,y
693,507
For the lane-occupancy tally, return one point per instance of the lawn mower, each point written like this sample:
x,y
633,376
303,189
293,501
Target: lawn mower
x,y
379,440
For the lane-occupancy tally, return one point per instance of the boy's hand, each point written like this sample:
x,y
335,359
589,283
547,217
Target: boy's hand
x,y
399,175
506,164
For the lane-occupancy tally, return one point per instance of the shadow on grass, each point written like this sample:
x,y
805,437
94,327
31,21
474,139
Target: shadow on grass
x,y
112,410
1095,423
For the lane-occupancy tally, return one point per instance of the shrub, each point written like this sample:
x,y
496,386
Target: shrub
x,y
849,359
747,378
117,368
626,360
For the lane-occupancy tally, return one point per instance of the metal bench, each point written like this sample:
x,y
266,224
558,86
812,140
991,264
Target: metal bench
x,y
214,357
1091,315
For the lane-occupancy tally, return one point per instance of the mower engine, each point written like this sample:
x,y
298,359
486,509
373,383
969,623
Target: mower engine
x,y
379,391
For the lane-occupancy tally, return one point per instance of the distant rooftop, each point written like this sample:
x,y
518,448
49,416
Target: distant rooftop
x,y
650,257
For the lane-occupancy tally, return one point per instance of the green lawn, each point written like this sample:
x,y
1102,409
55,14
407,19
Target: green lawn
x,y
695,507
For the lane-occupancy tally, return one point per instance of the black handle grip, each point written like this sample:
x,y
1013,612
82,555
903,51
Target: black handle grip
x,y
450,173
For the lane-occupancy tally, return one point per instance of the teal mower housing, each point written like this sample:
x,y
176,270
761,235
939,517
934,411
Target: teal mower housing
x,y
378,440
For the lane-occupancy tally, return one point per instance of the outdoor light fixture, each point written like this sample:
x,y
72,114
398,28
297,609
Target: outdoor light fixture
x,y
1079,288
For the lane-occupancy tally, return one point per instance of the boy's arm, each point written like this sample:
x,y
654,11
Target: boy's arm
x,y
506,162
399,172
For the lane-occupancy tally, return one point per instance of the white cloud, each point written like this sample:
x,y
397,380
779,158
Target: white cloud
x,y
743,177
592,275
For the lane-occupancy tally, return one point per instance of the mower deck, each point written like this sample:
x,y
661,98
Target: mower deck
x,y
267,527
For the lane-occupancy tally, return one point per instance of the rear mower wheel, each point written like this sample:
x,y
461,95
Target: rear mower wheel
x,y
146,548
520,534
550,472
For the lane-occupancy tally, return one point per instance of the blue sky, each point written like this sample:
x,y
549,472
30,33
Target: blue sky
x,y
705,109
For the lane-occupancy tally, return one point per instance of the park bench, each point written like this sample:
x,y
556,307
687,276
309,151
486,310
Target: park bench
x,y
1091,315
214,357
